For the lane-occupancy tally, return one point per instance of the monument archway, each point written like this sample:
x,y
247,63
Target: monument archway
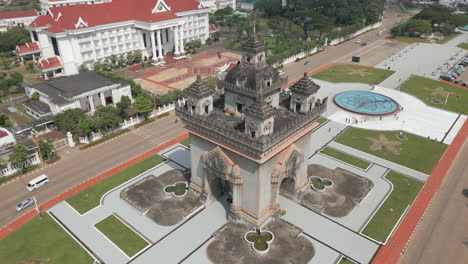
x,y
222,180
286,179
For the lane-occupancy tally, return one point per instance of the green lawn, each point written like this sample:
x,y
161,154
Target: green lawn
x,y
344,260
404,192
321,120
90,197
463,46
356,74
346,158
411,39
425,88
42,240
121,235
418,153
186,142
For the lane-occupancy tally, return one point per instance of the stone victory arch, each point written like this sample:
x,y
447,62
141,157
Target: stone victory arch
x,y
250,142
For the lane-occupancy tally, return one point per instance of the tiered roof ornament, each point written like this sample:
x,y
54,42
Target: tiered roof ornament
x,y
260,110
198,89
305,86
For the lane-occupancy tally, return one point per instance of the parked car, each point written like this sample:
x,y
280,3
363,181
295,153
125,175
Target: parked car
x,y
358,41
37,182
458,81
447,77
380,33
24,204
363,44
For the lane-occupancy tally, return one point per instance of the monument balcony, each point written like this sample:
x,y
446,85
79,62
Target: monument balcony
x,y
229,130
244,90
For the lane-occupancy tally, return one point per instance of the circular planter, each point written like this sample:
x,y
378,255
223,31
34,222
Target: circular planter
x,y
173,192
321,179
252,244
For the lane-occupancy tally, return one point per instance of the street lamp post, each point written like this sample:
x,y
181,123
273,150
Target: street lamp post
x,y
37,207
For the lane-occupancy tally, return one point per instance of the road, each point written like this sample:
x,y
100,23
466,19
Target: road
x,y
377,49
78,166
442,235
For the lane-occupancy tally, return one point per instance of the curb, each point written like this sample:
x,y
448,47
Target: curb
x,y
15,224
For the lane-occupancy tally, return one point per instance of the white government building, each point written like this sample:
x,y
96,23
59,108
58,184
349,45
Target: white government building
x,y
72,33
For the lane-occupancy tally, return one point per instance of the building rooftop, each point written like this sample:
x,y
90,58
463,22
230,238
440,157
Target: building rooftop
x,y
37,106
27,48
62,89
82,16
18,14
49,63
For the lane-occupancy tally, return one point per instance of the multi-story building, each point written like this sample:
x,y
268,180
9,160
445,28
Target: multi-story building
x,y
16,18
83,34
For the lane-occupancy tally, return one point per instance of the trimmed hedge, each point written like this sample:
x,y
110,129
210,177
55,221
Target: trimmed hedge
x,y
150,120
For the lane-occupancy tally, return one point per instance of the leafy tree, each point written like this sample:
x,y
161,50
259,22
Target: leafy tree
x,y
418,27
35,96
47,150
193,45
16,78
143,105
30,67
212,82
303,19
5,64
124,104
14,36
170,97
68,120
270,7
19,155
85,127
106,118
83,68
5,121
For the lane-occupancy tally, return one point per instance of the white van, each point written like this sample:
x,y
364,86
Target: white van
x,y
37,182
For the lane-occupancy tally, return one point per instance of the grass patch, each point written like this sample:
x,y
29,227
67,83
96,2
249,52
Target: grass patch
x,y
104,139
320,184
345,260
354,74
185,142
425,88
42,239
90,197
404,192
321,120
417,152
178,189
411,39
346,158
121,235
463,46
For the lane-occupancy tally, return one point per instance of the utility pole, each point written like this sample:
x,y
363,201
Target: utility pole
x,y
34,133
37,207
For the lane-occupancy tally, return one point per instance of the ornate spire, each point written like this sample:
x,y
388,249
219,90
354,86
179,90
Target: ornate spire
x,y
305,86
260,110
198,89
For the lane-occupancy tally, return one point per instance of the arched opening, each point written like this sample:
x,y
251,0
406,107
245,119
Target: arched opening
x,y
249,59
298,107
288,186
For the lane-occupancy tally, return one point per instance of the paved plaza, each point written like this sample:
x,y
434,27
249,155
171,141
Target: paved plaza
x,y
178,74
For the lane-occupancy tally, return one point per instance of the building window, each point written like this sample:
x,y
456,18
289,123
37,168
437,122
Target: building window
x,y
144,39
207,108
55,46
252,133
239,108
167,35
298,107
34,33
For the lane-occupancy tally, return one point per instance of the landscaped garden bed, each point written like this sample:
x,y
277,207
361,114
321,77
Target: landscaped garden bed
x,y
178,189
121,235
353,74
90,197
417,152
404,192
42,240
320,184
260,240
427,90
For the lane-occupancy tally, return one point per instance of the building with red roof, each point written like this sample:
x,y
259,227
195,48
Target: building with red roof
x,y
84,34
16,18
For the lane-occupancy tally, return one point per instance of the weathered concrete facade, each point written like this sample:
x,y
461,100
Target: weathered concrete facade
x,y
253,141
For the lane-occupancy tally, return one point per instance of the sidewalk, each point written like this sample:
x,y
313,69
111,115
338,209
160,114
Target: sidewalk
x,y
385,163
335,236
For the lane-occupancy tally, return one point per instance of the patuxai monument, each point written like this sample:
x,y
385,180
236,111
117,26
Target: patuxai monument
x,y
249,139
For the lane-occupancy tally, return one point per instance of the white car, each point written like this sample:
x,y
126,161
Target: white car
x,y
358,41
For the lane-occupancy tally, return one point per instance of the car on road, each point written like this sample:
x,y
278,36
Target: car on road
x,y
37,182
363,44
24,204
380,33
358,41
